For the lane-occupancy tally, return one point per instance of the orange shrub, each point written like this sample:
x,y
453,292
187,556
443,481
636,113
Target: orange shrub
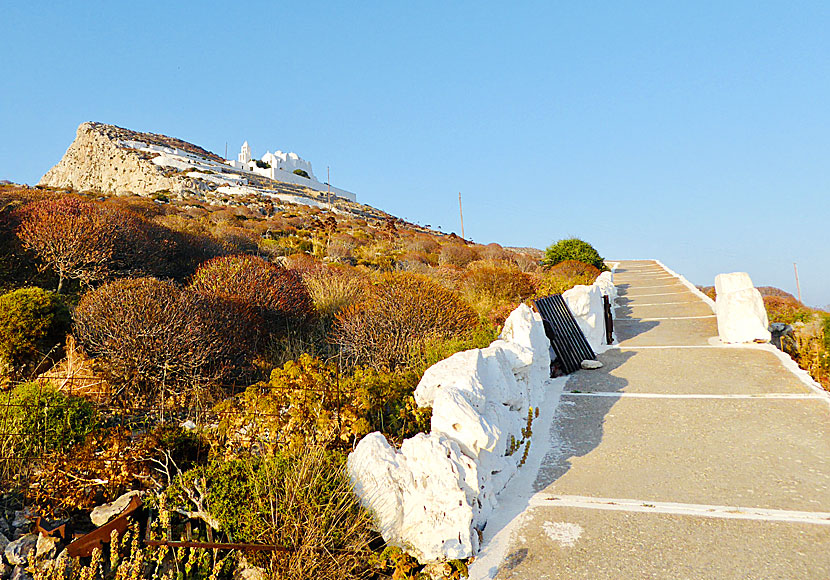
x,y
400,314
457,255
574,269
786,309
154,337
266,293
498,280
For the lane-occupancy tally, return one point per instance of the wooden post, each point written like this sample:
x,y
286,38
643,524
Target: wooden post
x,y
461,213
797,284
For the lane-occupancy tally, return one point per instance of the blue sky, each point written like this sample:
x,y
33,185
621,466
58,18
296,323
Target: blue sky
x,y
697,133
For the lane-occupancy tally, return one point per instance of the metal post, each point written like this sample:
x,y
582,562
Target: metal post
x,y
328,183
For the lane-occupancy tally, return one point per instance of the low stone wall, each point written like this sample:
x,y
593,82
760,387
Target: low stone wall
x,y
431,496
435,493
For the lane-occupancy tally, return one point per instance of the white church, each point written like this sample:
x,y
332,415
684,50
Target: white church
x,y
281,166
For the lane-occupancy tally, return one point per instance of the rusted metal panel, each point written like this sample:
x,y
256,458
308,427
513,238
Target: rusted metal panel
x,y
86,544
565,336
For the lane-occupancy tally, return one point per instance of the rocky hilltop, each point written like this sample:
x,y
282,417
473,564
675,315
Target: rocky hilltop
x,y
112,160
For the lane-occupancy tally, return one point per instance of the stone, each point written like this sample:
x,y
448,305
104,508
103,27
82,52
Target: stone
x,y
780,331
740,310
47,547
17,552
588,364
104,513
20,573
5,569
4,541
22,519
247,572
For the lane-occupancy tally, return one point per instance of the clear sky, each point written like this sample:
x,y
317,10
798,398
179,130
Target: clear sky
x,y
697,133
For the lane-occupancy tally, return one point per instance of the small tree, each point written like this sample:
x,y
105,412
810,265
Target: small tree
x,y
573,249
71,236
301,173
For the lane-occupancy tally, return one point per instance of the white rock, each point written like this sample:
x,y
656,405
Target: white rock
x,y
47,547
420,496
17,552
585,302
432,495
589,364
104,513
740,310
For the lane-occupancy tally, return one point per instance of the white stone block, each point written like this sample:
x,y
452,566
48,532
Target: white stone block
x,y
740,309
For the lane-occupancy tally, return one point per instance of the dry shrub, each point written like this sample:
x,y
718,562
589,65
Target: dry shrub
x,y
333,289
401,312
76,374
499,281
340,250
564,276
108,463
575,269
495,252
423,244
236,240
153,338
262,292
812,347
526,262
786,309
457,255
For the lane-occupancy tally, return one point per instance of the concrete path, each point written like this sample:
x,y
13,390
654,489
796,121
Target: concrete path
x,y
680,458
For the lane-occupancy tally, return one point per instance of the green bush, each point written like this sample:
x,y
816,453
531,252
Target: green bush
x,y
301,500
301,173
41,418
573,249
32,322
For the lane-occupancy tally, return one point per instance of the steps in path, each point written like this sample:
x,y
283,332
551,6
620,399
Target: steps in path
x,y
680,458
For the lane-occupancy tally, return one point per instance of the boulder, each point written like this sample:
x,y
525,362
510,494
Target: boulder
x,y
18,551
585,303
104,513
4,541
47,547
740,309
421,496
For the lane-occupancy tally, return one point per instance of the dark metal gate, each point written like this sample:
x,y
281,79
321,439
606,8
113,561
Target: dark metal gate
x,y
565,336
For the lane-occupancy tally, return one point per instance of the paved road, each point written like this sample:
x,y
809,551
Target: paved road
x,y
680,458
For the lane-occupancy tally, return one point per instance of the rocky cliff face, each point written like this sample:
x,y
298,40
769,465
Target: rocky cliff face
x,y
110,160
96,161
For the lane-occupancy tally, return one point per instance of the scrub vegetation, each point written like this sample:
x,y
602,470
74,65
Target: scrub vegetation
x,y
224,360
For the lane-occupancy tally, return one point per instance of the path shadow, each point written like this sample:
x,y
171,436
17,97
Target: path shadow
x,y
576,430
577,426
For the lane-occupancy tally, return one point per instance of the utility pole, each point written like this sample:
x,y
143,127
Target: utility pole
x,y
226,150
797,284
461,213
328,183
